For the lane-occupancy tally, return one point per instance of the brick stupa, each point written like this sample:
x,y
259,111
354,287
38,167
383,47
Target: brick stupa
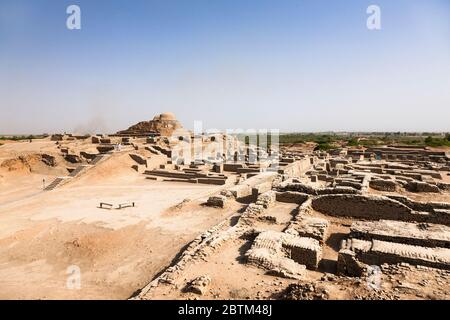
x,y
163,124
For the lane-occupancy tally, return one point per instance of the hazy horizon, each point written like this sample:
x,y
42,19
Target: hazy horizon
x,y
296,66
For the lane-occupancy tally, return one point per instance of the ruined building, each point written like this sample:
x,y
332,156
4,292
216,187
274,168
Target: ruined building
x,y
161,125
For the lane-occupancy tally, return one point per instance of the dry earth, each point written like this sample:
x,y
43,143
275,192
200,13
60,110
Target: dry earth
x,y
117,251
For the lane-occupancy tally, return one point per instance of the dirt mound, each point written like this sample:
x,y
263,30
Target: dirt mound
x,y
304,291
113,167
33,163
164,124
21,163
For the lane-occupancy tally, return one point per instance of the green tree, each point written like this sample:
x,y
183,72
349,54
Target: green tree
x,y
428,139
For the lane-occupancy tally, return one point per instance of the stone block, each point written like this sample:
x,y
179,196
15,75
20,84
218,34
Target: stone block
x,y
218,201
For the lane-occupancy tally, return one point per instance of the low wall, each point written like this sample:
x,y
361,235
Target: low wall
x,y
418,234
307,189
291,197
420,206
358,206
245,188
374,208
383,185
297,168
138,158
379,252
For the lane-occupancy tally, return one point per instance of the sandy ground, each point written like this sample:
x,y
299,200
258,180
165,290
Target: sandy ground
x,y
21,147
20,179
46,236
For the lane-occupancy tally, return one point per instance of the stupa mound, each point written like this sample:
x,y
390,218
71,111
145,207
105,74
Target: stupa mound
x,y
163,124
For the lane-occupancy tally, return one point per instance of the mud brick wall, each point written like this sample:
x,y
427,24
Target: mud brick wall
x,y
297,168
291,197
240,191
304,188
420,206
261,188
383,185
245,188
347,264
138,158
217,201
298,187
419,234
379,252
376,208
416,186
444,186
359,206
266,199
275,264
337,190
303,250
310,227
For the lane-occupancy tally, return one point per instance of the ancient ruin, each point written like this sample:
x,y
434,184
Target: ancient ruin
x,y
226,219
164,124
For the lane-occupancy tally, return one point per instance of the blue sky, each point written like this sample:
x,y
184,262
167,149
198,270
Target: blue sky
x,y
289,64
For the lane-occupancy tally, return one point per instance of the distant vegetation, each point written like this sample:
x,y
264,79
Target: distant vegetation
x,y
438,142
15,138
23,137
308,137
324,141
327,141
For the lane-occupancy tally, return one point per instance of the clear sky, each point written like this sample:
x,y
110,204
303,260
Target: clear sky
x,y
292,65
